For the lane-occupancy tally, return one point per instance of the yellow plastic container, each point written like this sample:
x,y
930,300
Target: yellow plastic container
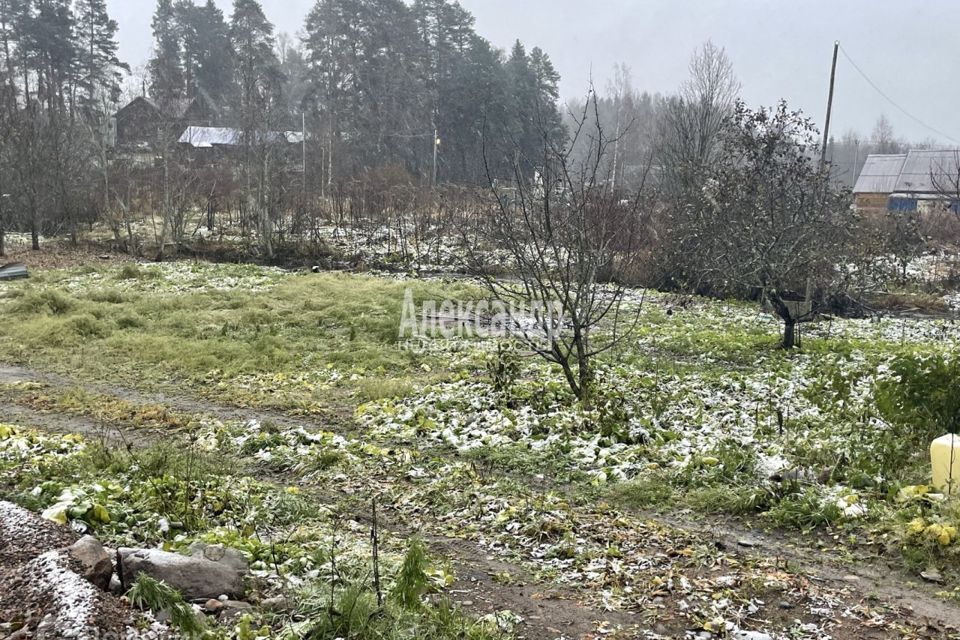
x,y
945,459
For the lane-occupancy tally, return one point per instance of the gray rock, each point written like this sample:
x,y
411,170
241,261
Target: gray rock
x,y
932,575
195,577
115,587
218,553
751,635
277,604
93,561
233,609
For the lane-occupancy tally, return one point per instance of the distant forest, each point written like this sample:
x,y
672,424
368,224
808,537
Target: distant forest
x,y
386,91
379,81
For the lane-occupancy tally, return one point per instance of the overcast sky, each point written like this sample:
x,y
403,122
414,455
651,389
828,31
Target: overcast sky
x,y
779,48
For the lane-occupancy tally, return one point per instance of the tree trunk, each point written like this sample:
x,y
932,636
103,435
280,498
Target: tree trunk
x,y
789,322
789,333
586,385
571,378
35,234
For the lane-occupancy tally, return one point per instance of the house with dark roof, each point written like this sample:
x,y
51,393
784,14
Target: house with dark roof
x,y
142,122
918,180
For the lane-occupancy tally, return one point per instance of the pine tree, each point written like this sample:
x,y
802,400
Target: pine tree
x,y
534,120
18,19
390,105
332,59
52,53
258,84
204,38
101,68
547,94
215,65
189,34
166,70
522,109
476,114
257,76
445,30
9,38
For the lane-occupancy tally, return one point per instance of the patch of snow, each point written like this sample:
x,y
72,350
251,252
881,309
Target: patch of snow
x,y
16,522
73,599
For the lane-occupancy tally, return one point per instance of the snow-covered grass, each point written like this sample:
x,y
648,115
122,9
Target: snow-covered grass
x,y
699,410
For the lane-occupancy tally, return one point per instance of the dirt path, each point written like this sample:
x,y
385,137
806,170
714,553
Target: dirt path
x,y
548,611
869,575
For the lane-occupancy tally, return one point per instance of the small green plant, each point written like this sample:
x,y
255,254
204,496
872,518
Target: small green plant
x,y
51,300
412,580
921,397
374,389
805,511
728,463
129,272
110,296
135,272
129,321
654,491
503,367
155,595
87,326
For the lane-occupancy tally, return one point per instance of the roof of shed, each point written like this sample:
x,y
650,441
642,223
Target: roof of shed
x,y
921,169
912,172
880,173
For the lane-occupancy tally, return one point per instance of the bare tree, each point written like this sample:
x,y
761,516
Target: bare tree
x,y
692,121
566,241
884,140
945,178
767,220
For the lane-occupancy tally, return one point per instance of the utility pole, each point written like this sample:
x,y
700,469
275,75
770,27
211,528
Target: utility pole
x,y
826,127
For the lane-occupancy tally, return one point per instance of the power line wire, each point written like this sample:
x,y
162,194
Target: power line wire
x,y
893,102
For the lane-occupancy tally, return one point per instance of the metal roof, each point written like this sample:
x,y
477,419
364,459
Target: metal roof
x,y
911,172
880,173
920,171
208,137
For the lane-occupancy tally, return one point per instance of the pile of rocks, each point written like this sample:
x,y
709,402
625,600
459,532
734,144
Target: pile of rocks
x,y
56,585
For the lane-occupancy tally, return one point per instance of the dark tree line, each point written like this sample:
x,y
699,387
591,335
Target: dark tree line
x,y
60,83
375,82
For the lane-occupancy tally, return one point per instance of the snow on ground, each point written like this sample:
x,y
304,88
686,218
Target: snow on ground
x,y
73,600
669,419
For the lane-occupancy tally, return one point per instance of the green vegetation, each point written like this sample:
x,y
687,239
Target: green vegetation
x,y
471,439
153,595
241,333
